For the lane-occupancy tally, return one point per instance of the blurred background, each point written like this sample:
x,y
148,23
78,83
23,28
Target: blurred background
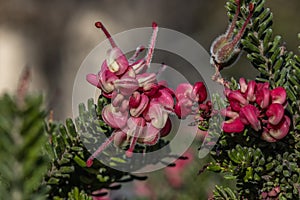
x,y
54,37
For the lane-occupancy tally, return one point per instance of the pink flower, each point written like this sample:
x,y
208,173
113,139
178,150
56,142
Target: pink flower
x,y
174,174
103,195
255,105
116,61
249,115
278,95
113,117
233,126
188,98
143,189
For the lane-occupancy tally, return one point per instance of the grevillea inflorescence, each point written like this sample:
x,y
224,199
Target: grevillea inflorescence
x,y
257,106
140,105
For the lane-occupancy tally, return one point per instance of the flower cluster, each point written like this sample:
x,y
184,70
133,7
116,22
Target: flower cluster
x,y
140,105
256,105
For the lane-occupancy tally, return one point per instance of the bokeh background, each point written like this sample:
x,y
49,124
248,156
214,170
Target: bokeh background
x,y
54,37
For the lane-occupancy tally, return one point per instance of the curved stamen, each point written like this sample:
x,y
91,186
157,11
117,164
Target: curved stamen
x,y
161,70
152,43
102,27
103,146
138,50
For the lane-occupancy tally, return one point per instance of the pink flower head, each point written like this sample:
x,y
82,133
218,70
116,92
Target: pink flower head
x,y
140,106
255,105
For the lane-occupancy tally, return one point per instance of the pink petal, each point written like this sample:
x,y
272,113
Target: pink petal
x,y
250,113
261,86
275,113
150,135
234,126
151,89
124,106
126,85
106,79
278,95
199,92
183,108
135,112
129,73
117,61
227,91
263,98
267,137
282,129
235,105
146,79
135,100
105,197
117,99
203,108
93,79
251,91
119,137
229,113
165,98
183,90
157,115
243,85
135,126
237,96
113,118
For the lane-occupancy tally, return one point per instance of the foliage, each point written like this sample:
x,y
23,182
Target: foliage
x,y
22,159
69,154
